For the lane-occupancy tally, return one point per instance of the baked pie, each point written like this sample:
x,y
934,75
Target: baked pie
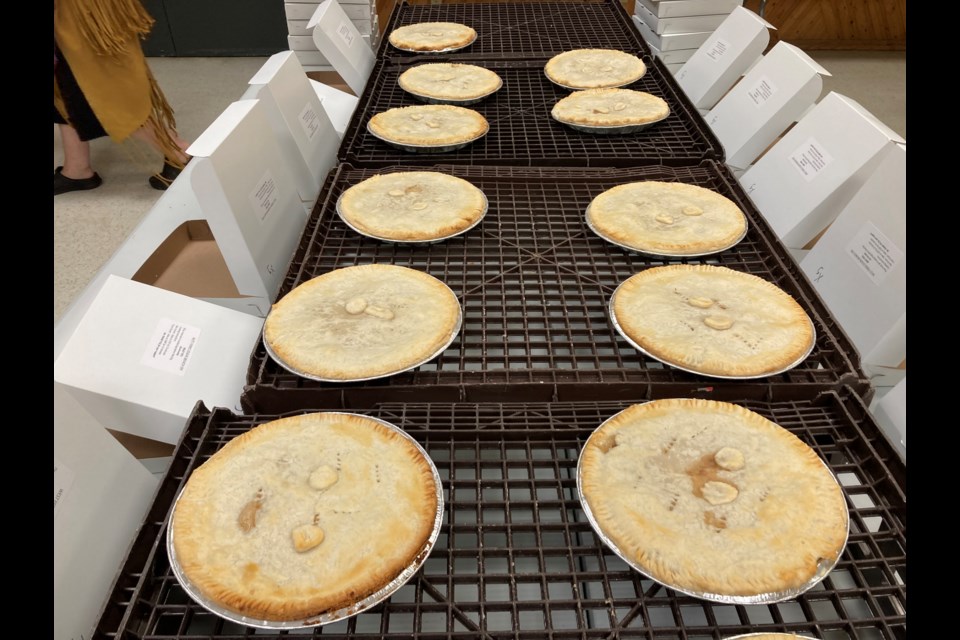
x,y
305,515
363,322
449,81
594,68
432,36
667,218
713,320
429,125
712,499
610,108
412,206
770,636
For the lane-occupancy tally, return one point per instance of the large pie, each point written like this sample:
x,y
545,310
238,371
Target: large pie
x,y
594,68
449,81
304,515
667,218
429,125
432,36
412,206
362,322
610,108
713,320
711,498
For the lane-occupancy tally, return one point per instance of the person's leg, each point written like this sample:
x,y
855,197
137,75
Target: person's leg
x,y
76,154
147,135
76,174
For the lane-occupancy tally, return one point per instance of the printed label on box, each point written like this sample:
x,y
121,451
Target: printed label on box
x,y
810,159
264,196
62,481
345,34
309,121
171,347
876,254
762,91
717,49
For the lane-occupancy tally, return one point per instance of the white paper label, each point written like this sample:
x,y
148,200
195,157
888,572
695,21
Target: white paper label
x,y
876,254
810,159
264,196
345,34
717,49
309,121
171,347
762,91
62,481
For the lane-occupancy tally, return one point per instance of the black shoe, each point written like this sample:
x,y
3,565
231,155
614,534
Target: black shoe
x,y
63,184
162,180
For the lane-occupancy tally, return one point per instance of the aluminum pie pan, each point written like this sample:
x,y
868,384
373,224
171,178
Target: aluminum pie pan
x,y
334,616
623,334
426,148
824,567
303,374
619,129
434,51
767,634
609,86
664,254
461,102
415,243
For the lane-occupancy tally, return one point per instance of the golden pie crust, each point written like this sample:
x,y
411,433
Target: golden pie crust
x,y
362,322
594,68
412,206
709,497
429,125
713,320
432,36
449,81
667,218
304,515
610,108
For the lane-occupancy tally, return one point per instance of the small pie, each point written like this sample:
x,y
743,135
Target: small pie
x,y
362,322
412,206
713,320
610,108
432,36
710,498
304,515
667,218
594,68
449,81
429,125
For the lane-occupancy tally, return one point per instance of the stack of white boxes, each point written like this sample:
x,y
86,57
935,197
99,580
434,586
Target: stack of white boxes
x,y
674,29
362,13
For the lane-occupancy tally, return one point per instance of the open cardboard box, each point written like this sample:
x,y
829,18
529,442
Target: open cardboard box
x,y
776,92
299,118
803,182
339,100
859,268
341,43
141,358
100,496
223,232
735,45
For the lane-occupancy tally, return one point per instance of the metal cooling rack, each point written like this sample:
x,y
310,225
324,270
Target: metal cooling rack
x,y
516,557
522,131
534,284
